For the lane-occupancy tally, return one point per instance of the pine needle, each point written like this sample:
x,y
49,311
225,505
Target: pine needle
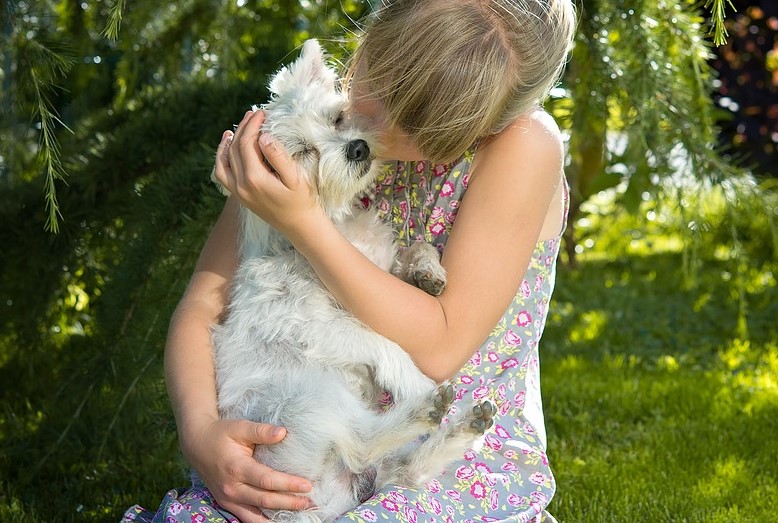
x,y
718,15
114,25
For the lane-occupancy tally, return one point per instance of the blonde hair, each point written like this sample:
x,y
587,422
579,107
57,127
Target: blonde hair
x,y
451,72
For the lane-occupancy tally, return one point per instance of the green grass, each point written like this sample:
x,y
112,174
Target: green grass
x,y
660,390
657,408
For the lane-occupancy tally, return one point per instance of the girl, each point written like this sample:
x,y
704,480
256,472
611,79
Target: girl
x,y
454,90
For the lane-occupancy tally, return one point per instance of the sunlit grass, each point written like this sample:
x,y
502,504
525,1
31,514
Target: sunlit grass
x,y
661,394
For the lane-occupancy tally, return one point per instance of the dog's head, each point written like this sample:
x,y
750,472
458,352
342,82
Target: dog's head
x,y
305,115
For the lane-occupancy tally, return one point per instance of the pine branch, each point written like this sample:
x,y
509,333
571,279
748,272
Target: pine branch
x,y
111,30
718,15
45,66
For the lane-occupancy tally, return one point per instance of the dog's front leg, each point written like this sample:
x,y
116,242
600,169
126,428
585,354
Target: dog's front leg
x,y
419,265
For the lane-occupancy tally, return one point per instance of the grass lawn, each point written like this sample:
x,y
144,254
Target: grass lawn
x,y
657,409
661,398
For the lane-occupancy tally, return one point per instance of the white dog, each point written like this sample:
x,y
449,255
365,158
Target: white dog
x,y
288,354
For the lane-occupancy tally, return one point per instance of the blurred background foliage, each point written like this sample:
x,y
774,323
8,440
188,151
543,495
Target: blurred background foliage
x,y
110,142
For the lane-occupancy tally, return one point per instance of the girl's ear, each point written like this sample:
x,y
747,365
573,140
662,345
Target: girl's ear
x,y
309,69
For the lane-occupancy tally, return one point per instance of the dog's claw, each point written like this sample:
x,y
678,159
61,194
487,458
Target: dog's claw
x,y
483,414
444,397
429,283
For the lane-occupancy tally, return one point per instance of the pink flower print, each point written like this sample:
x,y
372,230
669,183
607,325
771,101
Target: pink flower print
x,y
505,406
549,260
437,508
450,217
205,510
410,515
475,359
511,339
420,166
478,490
538,478
523,319
520,399
400,167
466,180
404,210
447,189
170,519
390,505
510,363
464,472
433,486
494,499
510,454
453,204
420,508
502,391
483,468
524,289
501,432
539,497
175,508
493,357
509,467
369,515
539,282
466,379
515,500
398,498
453,494
439,169
436,214
543,458
429,199
460,394
470,455
383,205
492,442
198,518
437,229
480,393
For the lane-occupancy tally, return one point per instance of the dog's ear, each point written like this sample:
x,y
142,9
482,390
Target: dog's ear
x,y
308,70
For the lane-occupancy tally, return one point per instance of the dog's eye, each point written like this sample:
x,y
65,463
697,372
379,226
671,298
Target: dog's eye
x,y
339,119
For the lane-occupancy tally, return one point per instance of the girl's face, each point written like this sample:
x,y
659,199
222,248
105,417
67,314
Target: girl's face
x,y
395,144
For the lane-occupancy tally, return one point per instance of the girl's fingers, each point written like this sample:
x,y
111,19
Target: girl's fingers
x,y
235,153
222,171
248,514
249,145
275,155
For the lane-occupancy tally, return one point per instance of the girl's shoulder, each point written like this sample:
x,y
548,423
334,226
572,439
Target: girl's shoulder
x,y
533,139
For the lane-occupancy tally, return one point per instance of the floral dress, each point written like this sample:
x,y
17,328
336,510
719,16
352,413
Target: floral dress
x,y
506,476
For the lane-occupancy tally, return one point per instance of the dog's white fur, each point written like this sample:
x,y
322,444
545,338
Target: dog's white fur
x,y
289,354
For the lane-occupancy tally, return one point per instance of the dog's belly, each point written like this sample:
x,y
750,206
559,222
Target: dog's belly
x,y
279,318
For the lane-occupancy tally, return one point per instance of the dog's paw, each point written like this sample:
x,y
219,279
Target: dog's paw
x,y
444,397
429,282
483,417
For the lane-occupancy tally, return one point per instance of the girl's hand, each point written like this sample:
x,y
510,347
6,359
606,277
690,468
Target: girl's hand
x,y
222,453
264,178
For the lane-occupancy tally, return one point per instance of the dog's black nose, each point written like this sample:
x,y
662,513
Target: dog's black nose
x,y
358,151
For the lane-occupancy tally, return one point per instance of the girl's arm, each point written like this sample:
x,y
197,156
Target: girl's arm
x,y
514,181
220,450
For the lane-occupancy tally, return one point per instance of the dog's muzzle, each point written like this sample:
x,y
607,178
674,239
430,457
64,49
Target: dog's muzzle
x,y
358,151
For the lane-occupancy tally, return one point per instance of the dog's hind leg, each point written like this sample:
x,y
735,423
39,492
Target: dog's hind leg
x,y
416,464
